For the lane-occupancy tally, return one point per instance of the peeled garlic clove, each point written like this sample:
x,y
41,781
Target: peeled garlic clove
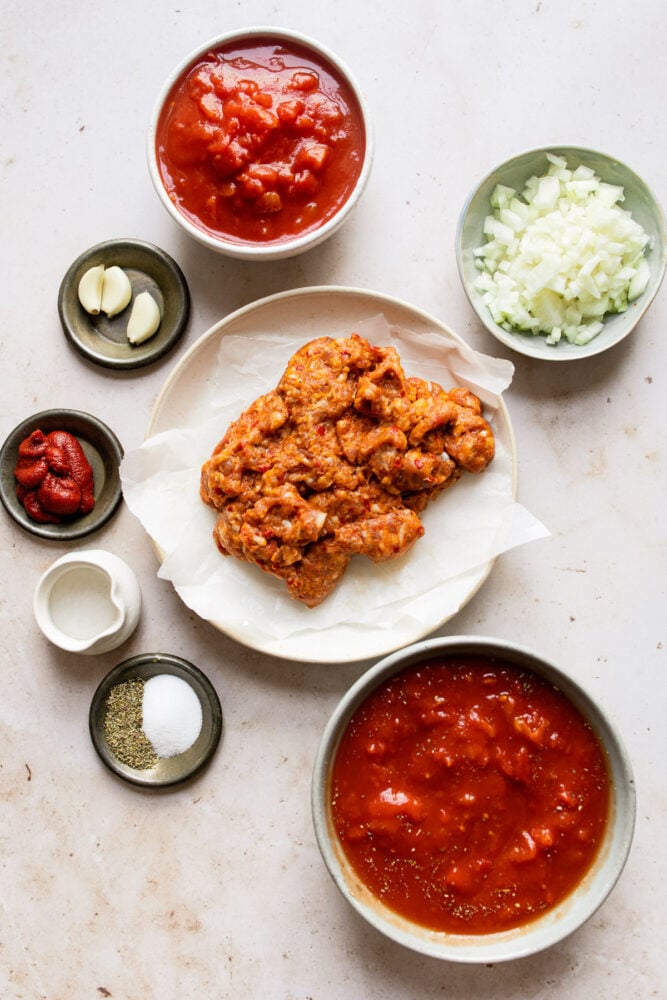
x,y
90,289
116,291
144,318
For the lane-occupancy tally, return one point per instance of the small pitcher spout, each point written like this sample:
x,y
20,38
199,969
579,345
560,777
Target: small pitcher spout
x,y
88,602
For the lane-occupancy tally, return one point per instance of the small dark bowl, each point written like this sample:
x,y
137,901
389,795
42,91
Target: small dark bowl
x,y
168,770
104,341
102,449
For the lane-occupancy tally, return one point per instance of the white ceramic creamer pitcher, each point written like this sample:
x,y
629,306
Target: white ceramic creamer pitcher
x,y
88,602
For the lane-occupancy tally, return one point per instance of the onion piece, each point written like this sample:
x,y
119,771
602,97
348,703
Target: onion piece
x,y
560,255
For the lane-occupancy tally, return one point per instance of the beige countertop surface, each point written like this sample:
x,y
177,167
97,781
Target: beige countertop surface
x,y
216,889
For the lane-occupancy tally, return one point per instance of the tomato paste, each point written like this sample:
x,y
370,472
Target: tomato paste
x,y
469,796
259,142
54,478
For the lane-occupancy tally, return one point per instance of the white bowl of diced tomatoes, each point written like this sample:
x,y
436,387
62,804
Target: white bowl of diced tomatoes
x,y
260,143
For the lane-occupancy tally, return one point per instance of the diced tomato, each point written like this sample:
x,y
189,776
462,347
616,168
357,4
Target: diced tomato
x,y
269,203
305,81
289,111
461,879
312,156
212,107
245,86
305,183
305,123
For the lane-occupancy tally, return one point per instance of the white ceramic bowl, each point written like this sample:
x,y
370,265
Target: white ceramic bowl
x,y
639,200
297,244
553,925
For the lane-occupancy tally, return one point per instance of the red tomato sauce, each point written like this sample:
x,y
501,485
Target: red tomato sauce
x,y
260,143
469,796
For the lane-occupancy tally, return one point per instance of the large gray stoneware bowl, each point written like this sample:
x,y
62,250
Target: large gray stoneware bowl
x,y
555,924
639,201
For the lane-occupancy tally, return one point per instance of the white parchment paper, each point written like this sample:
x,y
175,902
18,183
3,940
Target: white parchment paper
x,y
465,528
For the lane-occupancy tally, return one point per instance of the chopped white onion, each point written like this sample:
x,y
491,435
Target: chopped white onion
x,y
560,255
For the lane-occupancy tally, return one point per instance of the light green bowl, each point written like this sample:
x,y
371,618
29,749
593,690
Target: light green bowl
x,y
639,200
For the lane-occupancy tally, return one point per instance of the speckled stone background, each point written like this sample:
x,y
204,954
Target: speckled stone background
x,y
216,889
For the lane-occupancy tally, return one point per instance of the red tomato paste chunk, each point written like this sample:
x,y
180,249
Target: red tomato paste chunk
x,y
260,143
54,479
469,796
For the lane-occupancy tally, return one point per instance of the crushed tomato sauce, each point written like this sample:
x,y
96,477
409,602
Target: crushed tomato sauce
x,y
259,142
468,795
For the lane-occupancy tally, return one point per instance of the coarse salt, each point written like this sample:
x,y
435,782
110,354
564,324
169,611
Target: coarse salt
x,y
171,714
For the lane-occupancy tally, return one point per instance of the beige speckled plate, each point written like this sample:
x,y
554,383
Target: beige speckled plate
x,y
185,402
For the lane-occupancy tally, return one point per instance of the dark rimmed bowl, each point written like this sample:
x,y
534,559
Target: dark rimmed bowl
x,y
168,770
102,449
102,340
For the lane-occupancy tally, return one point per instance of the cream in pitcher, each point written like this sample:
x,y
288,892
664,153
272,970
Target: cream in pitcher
x,y
88,602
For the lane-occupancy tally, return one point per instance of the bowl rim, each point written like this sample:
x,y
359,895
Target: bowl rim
x,y
556,924
526,345
285,248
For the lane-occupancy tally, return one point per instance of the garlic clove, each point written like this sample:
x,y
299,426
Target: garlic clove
x,y
90,289
144,318
116,291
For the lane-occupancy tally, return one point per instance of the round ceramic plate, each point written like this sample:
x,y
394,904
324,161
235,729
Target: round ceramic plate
x,y
103,340
168,770
186,401
102,449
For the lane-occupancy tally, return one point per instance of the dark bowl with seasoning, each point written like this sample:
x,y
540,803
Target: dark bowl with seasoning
x,y
472,801
115,721
260,143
